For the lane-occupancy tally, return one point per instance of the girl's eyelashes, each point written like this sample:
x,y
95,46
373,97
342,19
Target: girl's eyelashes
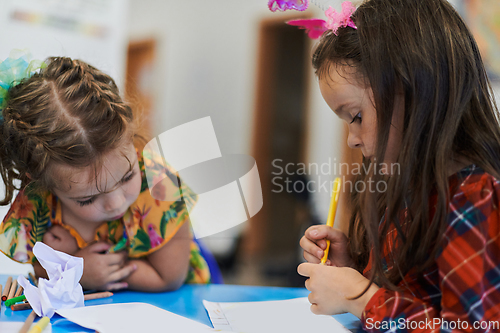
x,y
91,200
356,117
86,202
129,177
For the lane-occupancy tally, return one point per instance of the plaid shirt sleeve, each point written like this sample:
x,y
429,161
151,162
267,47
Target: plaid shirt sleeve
x,y
468,272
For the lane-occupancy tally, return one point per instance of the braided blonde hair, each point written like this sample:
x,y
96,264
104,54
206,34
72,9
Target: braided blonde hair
x,y
68,114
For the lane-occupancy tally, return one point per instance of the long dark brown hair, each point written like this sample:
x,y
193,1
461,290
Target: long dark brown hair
x,y
69,114
423,49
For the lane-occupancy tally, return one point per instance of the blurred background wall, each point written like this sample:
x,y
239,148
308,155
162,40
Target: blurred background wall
x,y
232,60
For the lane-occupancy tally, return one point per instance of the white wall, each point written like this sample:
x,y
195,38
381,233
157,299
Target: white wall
x,y
41,30
207,65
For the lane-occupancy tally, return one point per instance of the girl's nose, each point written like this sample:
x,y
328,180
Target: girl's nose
x,y
354,141
115,200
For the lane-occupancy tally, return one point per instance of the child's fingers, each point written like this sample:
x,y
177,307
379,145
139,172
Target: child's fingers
x,y
311,258
53,235
59,232
122,273
60,239
113,268
99,247
118,258
317,232
311,247
116,286
320,232
306,269
48,238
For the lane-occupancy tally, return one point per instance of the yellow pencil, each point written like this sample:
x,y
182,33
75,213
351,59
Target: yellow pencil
x,y
331,214
40,325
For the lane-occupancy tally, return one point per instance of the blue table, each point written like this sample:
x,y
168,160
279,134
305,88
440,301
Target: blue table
x,y
186,301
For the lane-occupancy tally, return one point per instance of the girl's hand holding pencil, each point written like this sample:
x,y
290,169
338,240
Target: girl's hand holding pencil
x,y
332,212
324,244
314,245
332,287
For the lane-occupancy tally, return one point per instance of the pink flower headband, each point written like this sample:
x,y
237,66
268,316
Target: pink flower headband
x,y
316,27
283,5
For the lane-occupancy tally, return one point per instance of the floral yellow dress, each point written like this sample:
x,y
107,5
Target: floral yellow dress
x,y
147,225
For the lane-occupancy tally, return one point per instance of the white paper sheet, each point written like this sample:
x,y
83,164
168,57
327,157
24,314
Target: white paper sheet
x,y
288,316
133,318
62,289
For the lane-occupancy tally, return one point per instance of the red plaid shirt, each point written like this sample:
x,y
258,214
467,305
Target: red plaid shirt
x,y
461,290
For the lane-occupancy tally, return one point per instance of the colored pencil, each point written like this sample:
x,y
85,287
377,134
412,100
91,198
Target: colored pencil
x,y
20,306
103,294
14,300
28,322
331,214
6,288
86,297
40,325
13,289
19,291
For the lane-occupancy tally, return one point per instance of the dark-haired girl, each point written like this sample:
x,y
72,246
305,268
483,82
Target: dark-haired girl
x,y
424,254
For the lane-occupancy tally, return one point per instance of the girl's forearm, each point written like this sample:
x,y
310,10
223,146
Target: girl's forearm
x,y
167,267
147,278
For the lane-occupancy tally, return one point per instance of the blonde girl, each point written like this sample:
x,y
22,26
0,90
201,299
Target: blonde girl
x,y
67,138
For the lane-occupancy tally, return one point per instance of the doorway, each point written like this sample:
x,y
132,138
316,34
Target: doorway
x,y
139,80
279,132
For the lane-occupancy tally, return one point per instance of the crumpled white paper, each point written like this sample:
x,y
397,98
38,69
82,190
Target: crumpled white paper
x,y
62,290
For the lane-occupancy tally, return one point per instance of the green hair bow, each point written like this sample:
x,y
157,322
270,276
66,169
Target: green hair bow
x,y
13,69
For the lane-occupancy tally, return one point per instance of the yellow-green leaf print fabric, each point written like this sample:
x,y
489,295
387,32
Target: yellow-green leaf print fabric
x,y
147,225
